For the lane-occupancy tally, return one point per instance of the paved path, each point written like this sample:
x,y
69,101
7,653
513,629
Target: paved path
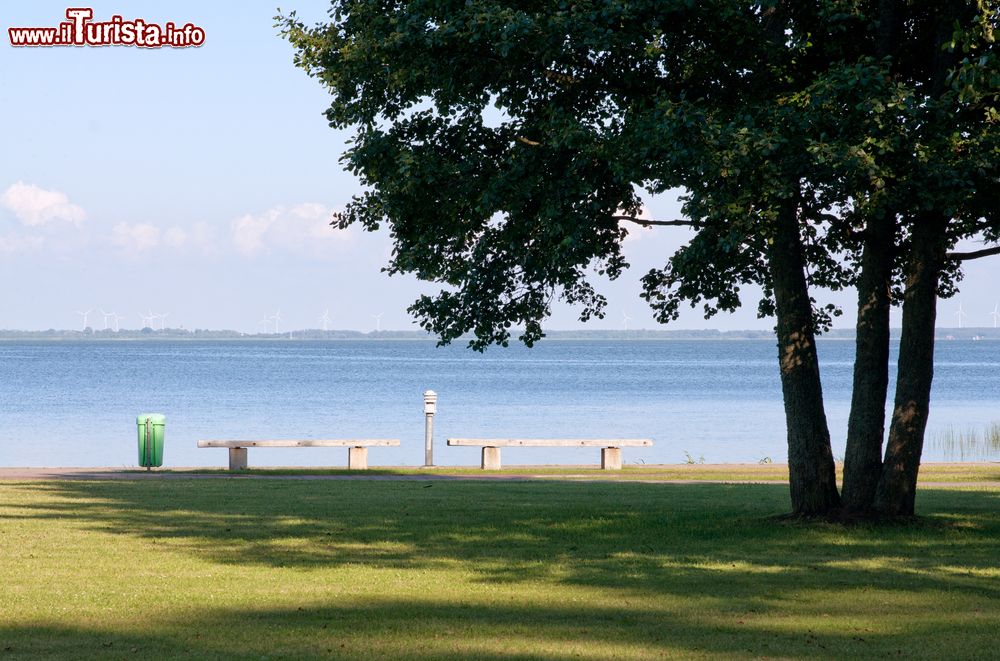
x,y
45,474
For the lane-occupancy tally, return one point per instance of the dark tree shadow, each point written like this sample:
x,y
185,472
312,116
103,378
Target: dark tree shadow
x,y
704,542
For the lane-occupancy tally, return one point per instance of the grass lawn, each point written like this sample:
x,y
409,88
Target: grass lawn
x,y
930,472
205,568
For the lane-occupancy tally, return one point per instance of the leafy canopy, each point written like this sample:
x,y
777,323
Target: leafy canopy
x,y
501,141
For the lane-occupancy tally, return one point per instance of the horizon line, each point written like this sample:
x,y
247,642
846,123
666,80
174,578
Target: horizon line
x,y
419,332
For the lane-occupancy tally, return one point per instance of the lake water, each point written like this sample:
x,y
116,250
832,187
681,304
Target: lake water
x,y
74,403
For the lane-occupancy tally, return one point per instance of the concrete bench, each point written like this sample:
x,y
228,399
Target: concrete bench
x,y
611,453
357,453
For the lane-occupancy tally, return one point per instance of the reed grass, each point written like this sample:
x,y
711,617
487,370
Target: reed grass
x,y
969,444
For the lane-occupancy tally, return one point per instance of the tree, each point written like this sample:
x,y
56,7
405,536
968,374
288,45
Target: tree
x,y
953,189
898,123
503,144
509,208
929,159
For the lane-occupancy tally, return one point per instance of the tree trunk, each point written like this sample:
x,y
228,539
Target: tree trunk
x,y
811,473
866,424
898,484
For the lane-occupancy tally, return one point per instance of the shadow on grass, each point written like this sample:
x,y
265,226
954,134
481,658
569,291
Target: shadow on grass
x,y
640,536
717,546
421,630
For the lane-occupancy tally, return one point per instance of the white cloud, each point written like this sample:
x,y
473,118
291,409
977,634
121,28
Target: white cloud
x,y
138,237
35,206
248,231
304,228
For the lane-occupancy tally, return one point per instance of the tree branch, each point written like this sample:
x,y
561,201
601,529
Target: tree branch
x,y
647,223
821,216
975,254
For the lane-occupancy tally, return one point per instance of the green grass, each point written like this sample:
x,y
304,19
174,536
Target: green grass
x,y
698,472
421,569
933,472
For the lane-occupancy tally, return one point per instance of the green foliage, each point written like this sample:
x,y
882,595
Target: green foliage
x,y
500,141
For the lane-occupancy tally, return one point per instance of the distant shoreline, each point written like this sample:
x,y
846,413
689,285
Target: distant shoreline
x,y
306,335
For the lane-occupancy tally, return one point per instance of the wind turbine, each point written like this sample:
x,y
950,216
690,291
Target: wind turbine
x,y
105,315
266,320
378,321
276,318
325,320
163,317
85,315
995,314
960,314
149,318
625,320
117,317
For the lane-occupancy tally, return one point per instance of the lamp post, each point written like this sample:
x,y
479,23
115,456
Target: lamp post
x,y
430,408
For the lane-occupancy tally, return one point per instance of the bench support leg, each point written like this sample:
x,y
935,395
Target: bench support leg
x,y
237,459
611,459
491,459
357,458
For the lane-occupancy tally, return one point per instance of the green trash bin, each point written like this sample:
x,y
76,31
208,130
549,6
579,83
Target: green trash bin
x,y
151,427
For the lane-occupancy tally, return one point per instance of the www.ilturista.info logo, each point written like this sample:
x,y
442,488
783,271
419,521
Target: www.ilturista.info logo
x,y
81,30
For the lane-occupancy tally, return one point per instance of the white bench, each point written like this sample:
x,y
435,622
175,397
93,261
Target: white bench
x,y
611,453
357,453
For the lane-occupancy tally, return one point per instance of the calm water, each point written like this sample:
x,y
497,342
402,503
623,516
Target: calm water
x,y
74,404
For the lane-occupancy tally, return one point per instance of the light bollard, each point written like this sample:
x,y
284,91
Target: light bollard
x,y
430,408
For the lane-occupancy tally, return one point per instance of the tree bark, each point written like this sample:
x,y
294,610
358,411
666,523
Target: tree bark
x,y
898,484
866,423
811,472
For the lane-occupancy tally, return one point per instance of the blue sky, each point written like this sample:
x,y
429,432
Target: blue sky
x,y
199,182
